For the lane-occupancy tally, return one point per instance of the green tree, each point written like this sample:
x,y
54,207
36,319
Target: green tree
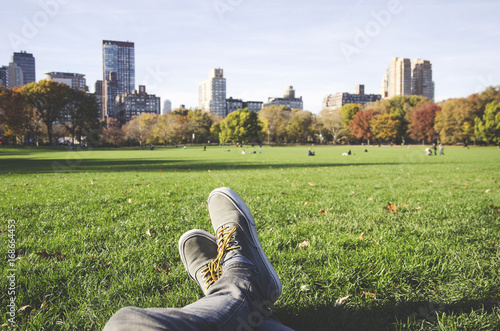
x,y
82,114
50,98
241,126
385,127
200,123
487,129
455,122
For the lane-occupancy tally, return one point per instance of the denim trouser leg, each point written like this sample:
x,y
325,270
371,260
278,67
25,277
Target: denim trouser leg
x,y
234,302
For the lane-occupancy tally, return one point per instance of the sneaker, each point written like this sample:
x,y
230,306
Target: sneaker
x,y
197,249
236,235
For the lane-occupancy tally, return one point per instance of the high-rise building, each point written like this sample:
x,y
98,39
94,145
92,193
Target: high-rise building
x,y
212,93
422,83
397,78
139,102
27,63
98,95
233,105
4,76
337,100
401,78
15,75
74,80
288,100
118,59
167,107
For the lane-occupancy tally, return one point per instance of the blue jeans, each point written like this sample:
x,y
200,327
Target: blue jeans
x,y
234,302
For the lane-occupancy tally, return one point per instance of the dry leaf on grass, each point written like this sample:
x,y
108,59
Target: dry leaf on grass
x,y
361,236
165,269
369,294
23,308
392,207
342,301
311,184
304,243
148,233
47,256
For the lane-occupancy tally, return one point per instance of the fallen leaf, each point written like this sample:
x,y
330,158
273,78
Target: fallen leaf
x,y
341,301
47,256
272,230
392,208
311,184
493,244
404,204
294,185
160,170
304,243
452,188
370,199
165,269
361,236
487,191
23,308
418,208
148,233
148,185
323,211
129,200
369,294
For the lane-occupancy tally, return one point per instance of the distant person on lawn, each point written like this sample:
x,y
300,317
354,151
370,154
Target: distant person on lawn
x,y
232,270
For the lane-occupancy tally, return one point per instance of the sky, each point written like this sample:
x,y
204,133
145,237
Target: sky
x,y
320,47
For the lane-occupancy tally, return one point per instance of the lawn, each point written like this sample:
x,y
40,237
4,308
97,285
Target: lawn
x,y
97,230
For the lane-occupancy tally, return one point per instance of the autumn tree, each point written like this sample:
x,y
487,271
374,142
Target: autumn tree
x,y
140,128
50,99
299,125
274,120
331,121
348,111
14,114
361,127
385,127
487,128
421,118
241,126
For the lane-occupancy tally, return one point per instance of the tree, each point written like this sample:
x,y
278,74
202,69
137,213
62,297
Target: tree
x,y
82,114
50,98
348,111
385,127
140,128
113,134
361,127
14,114
421,119
275,120
241,126
487,129
455,122
200,123
331,120
298,127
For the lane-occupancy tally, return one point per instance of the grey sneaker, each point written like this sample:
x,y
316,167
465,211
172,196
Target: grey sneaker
x,y
235,228
197,249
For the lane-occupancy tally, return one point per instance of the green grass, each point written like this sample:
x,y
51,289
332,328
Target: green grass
x,y
82,217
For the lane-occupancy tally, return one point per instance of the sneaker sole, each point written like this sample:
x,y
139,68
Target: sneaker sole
x,y
242,207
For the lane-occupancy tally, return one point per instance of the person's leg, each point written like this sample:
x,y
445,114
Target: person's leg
x,y
242,296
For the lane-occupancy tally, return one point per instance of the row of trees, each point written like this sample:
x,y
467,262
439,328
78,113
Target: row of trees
x,y
51,110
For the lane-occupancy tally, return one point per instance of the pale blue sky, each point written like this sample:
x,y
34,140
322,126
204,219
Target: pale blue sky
x,y
318,46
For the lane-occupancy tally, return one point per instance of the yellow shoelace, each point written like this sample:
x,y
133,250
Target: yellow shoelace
x,y
225,243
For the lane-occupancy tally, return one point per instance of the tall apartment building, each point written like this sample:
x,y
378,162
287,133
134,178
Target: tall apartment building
x,y
337,100
98,88
15,75
401,78
167,107
74,80
118,59
212,93
422,83
4,76
139,102
27,63
288,100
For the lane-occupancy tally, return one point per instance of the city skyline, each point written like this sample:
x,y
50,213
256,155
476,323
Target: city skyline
x,y
319,47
